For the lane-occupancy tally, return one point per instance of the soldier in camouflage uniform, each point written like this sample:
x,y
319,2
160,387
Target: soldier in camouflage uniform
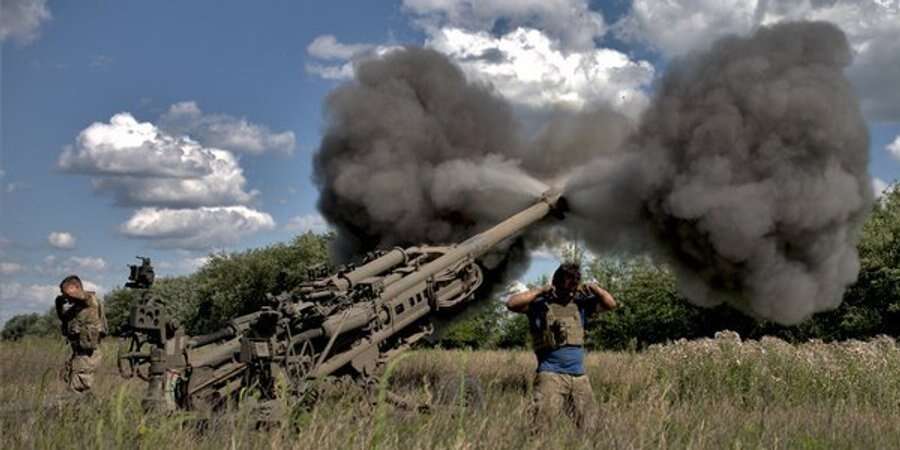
x,y
557,315
84,325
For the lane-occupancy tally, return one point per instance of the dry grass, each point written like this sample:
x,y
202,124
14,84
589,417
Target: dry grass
x,y
720,393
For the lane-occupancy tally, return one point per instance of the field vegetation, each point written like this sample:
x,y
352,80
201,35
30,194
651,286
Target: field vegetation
x,y
665,374
708,393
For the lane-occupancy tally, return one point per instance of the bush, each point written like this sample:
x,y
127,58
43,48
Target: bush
x,y
33,324
226,286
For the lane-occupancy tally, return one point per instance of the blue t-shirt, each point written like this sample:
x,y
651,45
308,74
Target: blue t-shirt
x,y
568,359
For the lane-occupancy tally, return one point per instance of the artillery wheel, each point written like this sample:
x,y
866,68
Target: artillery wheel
x,y
300,362
129,367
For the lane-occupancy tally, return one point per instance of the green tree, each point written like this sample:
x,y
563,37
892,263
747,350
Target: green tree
x,y
33,324
230,285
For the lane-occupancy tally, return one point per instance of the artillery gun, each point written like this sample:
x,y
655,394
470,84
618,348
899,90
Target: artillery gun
x,y
348,323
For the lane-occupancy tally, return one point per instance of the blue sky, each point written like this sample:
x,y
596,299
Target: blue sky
x,y
249,78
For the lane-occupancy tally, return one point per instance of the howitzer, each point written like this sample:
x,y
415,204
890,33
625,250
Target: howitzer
x,y
350,323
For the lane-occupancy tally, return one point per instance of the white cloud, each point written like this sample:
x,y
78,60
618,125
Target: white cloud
x,y
894,148
341,57
185,265
331,72
199,228
61,240
309,222
880,187
872,27
53,266
571,23
678,26
224,131
540,55
21,19
17,298
79,263
9,268
142,165
527,67
125,146
327,47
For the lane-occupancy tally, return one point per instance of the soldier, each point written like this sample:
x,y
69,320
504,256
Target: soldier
x,y
84,325
557,315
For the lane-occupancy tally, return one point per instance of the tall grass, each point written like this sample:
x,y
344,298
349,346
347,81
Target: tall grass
x,y
713,393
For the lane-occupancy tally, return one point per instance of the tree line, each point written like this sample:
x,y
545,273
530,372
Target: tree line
x,y
652,311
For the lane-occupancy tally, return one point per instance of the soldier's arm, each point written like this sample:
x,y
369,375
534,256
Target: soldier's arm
x,y
60,305
519,302
605,300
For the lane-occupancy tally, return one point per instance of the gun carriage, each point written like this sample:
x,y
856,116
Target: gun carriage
x,y
351,322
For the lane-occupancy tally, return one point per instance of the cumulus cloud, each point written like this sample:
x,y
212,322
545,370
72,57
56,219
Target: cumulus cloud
x,y
79,263
17,298
894,148
61,240
880,187
541,55
54,266
528,67
331,72
313,222
21,19
140,165
337,58
9,268
186,264
569,22
676,27
198,228
190,193
224,131
328,47
872,26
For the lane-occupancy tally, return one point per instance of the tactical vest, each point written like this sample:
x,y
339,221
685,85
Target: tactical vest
x,y
87,323
561,326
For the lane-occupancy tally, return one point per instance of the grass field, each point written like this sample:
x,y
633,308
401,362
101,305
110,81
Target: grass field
x,y
720,393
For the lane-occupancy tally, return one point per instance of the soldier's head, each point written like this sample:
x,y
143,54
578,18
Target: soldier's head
x,y
566,280
71,287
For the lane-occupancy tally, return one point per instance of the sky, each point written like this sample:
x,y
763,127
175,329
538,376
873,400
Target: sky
x,y
179,129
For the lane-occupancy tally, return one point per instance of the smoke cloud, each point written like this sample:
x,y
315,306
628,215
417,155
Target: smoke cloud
x,y
747,173
416,153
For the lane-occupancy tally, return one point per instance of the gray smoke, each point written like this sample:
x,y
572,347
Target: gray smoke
x,y
748,172
414,153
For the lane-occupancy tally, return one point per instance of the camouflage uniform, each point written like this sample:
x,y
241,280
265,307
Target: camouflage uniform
x,y
554,326
84,326
557,393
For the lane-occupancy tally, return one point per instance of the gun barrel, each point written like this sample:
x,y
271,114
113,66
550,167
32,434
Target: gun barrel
x,y
482,242
379,265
